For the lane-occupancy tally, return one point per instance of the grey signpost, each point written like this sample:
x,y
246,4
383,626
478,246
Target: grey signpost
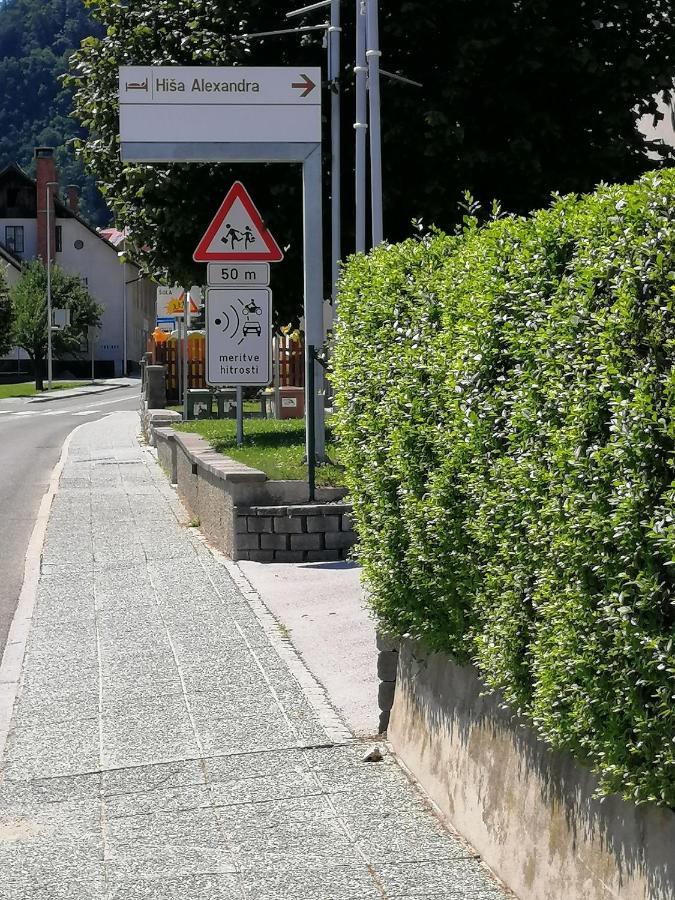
x,y
238,115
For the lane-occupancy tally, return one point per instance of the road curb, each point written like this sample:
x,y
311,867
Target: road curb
x,y
79,392
12,659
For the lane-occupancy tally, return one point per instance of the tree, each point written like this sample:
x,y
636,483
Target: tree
x,y
36,40
29,313
520,98
5,315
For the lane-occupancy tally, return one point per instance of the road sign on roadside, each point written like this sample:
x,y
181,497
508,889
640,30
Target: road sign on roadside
x,y
178,104
238,336
237,233
171,302
236,274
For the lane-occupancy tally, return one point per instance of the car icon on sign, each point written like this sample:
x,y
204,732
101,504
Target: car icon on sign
x,y
252,328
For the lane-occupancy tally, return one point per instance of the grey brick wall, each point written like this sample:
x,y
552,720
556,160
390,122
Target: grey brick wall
x,y
319,532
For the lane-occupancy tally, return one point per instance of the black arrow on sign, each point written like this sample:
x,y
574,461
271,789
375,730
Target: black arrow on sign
x,y
306,86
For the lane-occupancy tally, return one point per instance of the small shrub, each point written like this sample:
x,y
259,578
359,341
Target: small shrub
x,y
505,403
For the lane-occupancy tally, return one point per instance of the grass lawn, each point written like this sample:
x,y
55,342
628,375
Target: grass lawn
x,y
250,406
27,388
276,447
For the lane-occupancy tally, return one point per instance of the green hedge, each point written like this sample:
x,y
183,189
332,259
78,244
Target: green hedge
x,y
505,406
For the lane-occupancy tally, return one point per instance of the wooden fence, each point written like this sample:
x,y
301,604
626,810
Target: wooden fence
x,y
168,352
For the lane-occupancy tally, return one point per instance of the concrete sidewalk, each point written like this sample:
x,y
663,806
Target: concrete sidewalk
x,y
167,742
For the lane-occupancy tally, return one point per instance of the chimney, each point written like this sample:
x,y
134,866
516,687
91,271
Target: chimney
x,y
73,198
46,173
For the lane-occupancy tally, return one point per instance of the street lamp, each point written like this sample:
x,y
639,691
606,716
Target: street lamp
x,y
123,260
49,185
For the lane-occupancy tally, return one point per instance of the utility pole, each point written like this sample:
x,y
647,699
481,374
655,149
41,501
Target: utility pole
x,y
373,54
361,125
50,350
335,128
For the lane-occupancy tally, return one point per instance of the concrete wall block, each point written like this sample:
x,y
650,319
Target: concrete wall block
x,y
347,523
242,524
306,509
273,541
387,665
322,556
259,524
248,542
386,641
289,525
385,695
289,556
261,555
340,540
323,523
307,541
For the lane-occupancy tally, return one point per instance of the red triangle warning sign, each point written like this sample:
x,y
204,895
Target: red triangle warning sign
x,y
237,233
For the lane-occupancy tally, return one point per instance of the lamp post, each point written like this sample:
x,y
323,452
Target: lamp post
x,y
49,185
122,259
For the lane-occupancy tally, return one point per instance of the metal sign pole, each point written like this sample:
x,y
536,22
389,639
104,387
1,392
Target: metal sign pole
x,y
186,355
240,417
313,263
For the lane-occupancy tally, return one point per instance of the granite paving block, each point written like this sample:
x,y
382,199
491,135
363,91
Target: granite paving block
x,y
196,887
437,878
261,789
266,763
242,736
52,887
159,801
146,780
37,711
296,879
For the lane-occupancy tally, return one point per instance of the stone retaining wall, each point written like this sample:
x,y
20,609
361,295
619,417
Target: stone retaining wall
x,y
306,533
529,811
249,516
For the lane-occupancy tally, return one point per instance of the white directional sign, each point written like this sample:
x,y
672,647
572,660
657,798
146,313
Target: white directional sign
x,y
238,336
175,104
236,274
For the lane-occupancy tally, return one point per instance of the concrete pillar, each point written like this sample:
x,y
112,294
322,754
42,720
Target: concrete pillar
x,y
145,362
155,387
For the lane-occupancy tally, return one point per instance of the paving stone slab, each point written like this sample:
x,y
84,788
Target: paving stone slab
x,y
200,887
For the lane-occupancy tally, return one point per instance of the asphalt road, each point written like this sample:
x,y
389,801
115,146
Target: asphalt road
x,y
31,438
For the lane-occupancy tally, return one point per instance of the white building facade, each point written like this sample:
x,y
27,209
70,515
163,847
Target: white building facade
x,y
128,300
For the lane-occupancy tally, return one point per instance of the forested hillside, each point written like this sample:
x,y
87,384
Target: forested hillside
x,y
36,39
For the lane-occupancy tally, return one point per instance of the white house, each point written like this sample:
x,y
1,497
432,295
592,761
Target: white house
x,y
27,208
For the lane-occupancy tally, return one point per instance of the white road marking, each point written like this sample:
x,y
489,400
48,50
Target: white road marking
x,y
30,412
56,412
110,402
85,412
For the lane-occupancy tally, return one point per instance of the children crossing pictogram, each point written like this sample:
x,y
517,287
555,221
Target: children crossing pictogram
x,y
237,233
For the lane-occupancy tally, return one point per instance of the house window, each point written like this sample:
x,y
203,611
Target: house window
x,y
59,238
14,238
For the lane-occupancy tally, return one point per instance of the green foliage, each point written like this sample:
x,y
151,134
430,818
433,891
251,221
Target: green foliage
x,y
29,312
5,315
506,408
36,39
518,99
